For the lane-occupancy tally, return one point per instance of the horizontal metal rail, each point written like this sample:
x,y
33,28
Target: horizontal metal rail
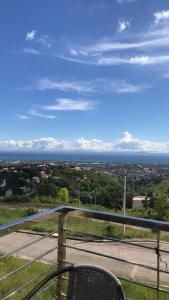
x,y
28,263
142,284
46,288
29,218
105,238
14,292
118,259
27,245
92,214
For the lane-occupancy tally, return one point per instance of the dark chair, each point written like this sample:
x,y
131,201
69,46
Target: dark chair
x,y
86,283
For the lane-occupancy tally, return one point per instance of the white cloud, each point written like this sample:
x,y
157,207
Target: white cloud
x,y
30,51
135,60
46,143
112,60
65,104
34,113
93,145
23,117
119,86
30,35
123,87
130,143
73,52
116,46
72,86
123,25
92,86
161,16
127,143
44,40
125,1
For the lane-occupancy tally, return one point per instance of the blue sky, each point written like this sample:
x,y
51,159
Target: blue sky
x,y
84,75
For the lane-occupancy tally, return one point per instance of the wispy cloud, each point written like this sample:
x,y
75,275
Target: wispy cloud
x,y
119,86
37,114
97,85
125,1
141,60
42,39
161,16
30,51
76,60
70,86
30,35
116,46
123,87
64,104
149,47
135,60
23,117
73,52
123,25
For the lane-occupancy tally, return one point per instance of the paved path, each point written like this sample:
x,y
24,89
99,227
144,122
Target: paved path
x,y
140,255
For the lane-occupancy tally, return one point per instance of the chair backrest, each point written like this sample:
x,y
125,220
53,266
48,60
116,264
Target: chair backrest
x,y
86,283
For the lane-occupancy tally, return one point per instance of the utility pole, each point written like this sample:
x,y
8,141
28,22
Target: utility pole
x,y
79,181
124,202
94,197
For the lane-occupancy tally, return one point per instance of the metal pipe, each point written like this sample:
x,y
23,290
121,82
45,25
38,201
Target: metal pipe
x,y
158,265
28,263
61,254
26,245
104,216
118,259
124,203
26,284
113,239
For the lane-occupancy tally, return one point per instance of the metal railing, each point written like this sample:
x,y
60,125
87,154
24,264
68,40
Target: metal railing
x,y
62,248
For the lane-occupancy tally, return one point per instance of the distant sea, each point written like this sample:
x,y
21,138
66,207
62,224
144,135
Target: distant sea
x,y
85,158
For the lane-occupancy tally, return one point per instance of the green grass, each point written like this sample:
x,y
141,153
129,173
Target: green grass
x,y
10,214
20,277
137,292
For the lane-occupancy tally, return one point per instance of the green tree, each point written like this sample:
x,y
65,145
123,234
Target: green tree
x,y
160,209
63,195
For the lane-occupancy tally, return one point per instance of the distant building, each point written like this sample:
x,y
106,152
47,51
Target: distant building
x,y
43,174
36,179
77,168
8,193
3,184
138,201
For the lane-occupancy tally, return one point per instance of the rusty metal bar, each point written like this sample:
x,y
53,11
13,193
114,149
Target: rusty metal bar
x,y
158,265
61,255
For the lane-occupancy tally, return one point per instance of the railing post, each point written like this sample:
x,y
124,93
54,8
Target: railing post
x,y
61,255
158,264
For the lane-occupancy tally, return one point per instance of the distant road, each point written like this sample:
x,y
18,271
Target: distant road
x,y
122,251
